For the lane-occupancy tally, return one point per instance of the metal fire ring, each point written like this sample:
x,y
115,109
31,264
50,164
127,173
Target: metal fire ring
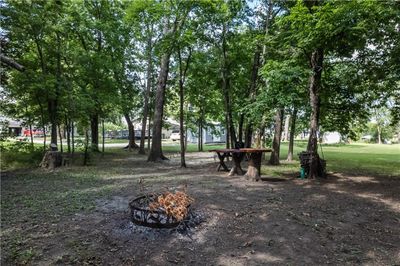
x,y
142,215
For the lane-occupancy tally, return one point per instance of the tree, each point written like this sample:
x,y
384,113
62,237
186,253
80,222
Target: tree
x,y
144,17
172,26
323,30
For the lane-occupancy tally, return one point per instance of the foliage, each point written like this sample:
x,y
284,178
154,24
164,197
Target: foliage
x,y
94,59
16,154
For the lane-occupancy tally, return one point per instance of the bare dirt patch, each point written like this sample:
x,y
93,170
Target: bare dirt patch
x,y
341,220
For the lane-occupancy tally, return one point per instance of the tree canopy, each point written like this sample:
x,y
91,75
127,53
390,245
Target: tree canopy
x,y
236,63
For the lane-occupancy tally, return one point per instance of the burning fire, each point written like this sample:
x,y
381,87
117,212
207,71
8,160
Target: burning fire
x,y
174,204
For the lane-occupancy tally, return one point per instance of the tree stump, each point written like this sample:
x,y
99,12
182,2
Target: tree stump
x,y
236,168
51,160
254,169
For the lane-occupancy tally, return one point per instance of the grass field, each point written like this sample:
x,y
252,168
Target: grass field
x,y
356,158
359,158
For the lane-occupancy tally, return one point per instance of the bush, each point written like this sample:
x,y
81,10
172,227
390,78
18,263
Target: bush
x,y
16,155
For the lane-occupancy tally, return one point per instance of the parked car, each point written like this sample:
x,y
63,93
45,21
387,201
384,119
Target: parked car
x,y
175,135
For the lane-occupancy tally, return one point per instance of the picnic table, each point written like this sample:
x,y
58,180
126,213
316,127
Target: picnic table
x,y
253,154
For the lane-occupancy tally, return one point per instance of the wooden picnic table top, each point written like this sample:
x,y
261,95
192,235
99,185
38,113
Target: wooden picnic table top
x,y
242,150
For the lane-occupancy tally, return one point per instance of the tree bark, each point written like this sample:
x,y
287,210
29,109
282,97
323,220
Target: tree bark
x,y
225,90
149,134
182,76
186,138
60,135
200,141
260,134
132,144
316,62
44,138
248,135
146,95
86,152
30,129
51,160
240,128
379,135
254,169
42,121
53,102
52,107
292,134
252,93
274,159
103,134
73,136
286,132
227,133
236,168
68,129
94,128
156,153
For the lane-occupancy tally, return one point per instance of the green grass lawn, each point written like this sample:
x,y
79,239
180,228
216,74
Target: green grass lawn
x,y
356,158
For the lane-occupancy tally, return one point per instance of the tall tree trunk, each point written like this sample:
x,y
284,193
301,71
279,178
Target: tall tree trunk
x,y
146,95
132,144
252,94
186,138
379,134
240,128
86,151
68,129
44,138
225,90
248,135
181,125
292,134
94,127
30,129
286,132
232,131
316,61
53,102
200,134
228,134
103,134
199,138
149,134
156,149
60,135
42,121
53,120
276,144
182,76
73,136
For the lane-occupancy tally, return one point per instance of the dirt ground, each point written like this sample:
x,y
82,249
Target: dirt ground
x,y
344,220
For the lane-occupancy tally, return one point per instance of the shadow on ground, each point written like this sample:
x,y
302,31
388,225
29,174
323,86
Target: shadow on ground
x,y
278,221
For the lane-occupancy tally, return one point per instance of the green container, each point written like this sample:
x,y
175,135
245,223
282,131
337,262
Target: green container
x,y
302,173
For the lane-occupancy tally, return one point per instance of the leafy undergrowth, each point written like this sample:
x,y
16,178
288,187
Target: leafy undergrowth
x,y
17,155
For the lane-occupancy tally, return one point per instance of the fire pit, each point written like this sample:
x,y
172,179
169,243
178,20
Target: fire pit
x,y
166,210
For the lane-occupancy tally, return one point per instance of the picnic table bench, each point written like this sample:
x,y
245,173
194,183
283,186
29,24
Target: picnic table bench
x,y
254,155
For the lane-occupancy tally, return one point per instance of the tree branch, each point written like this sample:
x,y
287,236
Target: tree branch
x,y
12,63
